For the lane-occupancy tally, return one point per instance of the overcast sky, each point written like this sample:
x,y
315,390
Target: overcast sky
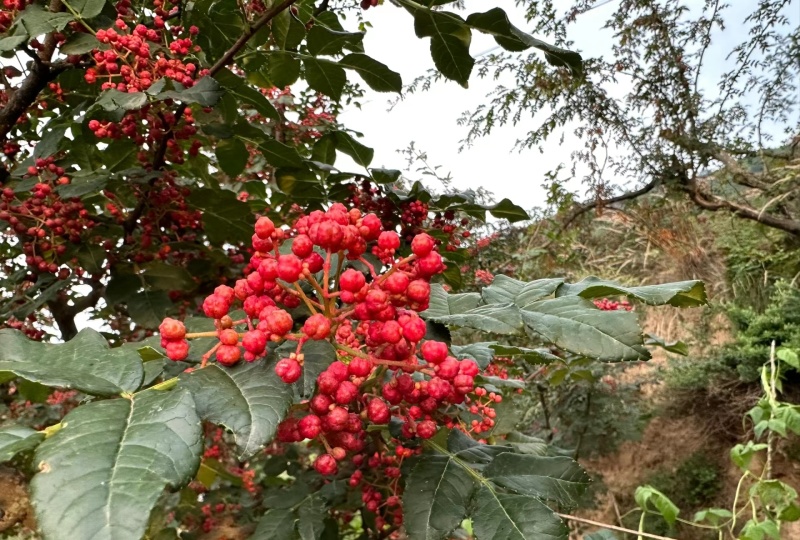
x,y
429,118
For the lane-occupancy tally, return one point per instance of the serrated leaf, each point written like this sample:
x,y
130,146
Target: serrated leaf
x,y
91,257
495,22
205,92
506,209
327,42
450,41
534,356
443,304
346,144
16,439
283,68
103,472
226,218
275,525
576,325
436,497
114,100
85,363
500,516
37,21
325,76
148,308
246,94
232,156
482,352
249,399
648,495
167,277
679,294
288,30
677,347
558,479
493,318
385,176
10,43
376,74
88,8
80,43
505,290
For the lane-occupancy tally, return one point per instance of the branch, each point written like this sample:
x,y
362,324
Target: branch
x,y
64,314
612,527
707,201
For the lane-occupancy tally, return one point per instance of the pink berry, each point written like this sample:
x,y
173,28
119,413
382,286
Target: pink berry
x,y
325,465
318,326
288,370
264,227
422,244
172,329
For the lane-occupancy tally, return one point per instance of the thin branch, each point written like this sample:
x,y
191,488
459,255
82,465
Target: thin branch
x,y
714,203
612,527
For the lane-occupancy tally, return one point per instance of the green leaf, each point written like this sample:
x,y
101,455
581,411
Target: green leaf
x,y
576,325
755,530
318,356
742,454
239,88
376,74
525,444
494,318
10,43
436,497
50,142
482,353
495,22
232,156
114,100
288,30
714,516
283,68
278,154
789,357
325,76
680,294
499,516
276,524
323,41
443,304
558,479
677,347
602,534
205,92
385,176
37,21
103,472
450,41
345,143
148,308
85,363
249,399
226,218
80,43
16,439
91,257
505,290
167,277
649,495
88,8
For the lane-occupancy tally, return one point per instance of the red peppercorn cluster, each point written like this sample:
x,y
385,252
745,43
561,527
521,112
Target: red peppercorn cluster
x,y
9,11
129,65
27,326
366,4
43,221
315,113
384,371
612,305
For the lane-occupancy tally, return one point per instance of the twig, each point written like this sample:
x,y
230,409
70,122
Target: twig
x,y
612,527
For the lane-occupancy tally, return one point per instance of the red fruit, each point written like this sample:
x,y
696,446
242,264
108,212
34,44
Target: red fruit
x,y
345,393
414,329
310,426
360,367
327,383
289,268
468,367
279,322
378,411
439,388
320,404
268,269
426,429
419,291
338,453
464,384
254,342
314,262
177,350
434,352
352,280
336,419
339,371
228,355
172,329
422,244
430,264
264,227
325,465
215,306
396,283
302,246
389,240
371,227
391,332
288,370
229,337
448,368
261,244
391,394
318,326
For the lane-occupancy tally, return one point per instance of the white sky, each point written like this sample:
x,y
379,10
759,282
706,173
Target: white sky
x,y
429,118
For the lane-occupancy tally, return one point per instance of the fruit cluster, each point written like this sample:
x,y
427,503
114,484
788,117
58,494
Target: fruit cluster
x,y
362,295
613,305
44,222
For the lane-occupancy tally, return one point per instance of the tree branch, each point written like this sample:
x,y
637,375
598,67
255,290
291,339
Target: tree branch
x,y
64,314
707,201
